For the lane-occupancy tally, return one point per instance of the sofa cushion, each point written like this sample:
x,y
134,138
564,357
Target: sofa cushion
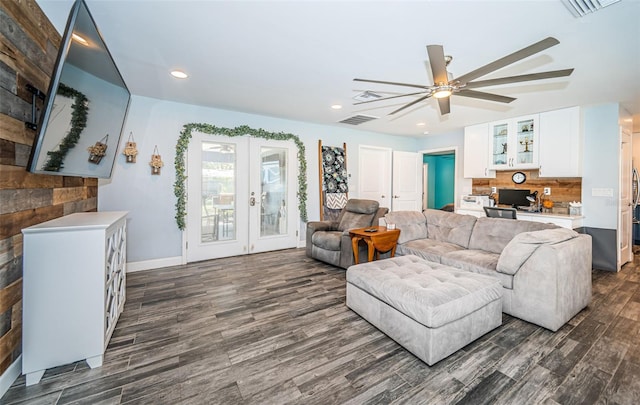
x,y
412,225
449,227
477,261
362,206
428,249
352,220
429,293
327,240
493,234
523,245
357,214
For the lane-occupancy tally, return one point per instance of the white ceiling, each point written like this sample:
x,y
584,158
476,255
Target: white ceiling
x,y
294,59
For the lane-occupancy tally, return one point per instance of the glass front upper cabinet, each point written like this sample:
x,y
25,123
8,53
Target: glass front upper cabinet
x,y
514,143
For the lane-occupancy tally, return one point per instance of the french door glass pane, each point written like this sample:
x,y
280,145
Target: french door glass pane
x,y
218,191
273,193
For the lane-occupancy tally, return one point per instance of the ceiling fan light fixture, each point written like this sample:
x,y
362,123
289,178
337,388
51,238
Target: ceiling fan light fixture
x,y
443,92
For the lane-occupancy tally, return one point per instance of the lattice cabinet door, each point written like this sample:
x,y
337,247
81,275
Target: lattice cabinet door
x,y
74,280
116,259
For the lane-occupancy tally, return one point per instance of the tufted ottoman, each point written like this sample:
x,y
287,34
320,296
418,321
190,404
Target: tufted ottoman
x,y
430,309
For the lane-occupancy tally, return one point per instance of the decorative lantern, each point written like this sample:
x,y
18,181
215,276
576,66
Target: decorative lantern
x,y
156,161
97,151
130,150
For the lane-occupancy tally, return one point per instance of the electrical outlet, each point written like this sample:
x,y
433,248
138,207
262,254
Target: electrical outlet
x,y
547,191
494,190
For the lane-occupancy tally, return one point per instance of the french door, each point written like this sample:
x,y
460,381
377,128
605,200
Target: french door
x,y
241,196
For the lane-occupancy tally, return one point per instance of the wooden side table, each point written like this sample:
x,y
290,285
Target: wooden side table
x,y
380,240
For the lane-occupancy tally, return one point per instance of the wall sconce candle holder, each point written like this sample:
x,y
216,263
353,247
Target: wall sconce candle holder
x,y
97,151
156,162
130,150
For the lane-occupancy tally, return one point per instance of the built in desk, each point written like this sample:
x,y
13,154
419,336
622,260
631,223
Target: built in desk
x,y
565,221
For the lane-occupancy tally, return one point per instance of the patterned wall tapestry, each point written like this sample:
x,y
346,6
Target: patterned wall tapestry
x,y
334,186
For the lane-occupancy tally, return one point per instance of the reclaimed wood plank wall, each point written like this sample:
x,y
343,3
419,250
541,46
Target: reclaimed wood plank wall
x,y
28,48
563,190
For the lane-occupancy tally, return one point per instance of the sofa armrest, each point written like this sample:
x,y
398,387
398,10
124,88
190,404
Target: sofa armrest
x,y
554,283
315,226
525,244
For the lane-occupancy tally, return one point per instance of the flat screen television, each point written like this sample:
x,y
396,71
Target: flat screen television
x,y
513,197
85,108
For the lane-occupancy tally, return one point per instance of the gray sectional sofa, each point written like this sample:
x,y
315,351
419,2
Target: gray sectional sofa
x,y
545,270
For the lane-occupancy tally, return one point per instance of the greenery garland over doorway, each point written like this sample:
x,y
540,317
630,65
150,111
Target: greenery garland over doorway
x,y
182,146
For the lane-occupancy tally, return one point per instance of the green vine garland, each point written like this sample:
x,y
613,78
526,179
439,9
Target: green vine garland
x,y
79,112
182,146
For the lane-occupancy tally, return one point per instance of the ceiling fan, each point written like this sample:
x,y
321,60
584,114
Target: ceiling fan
x,y
444,87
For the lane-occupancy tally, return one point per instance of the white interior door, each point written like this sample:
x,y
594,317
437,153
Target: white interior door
x,y
374,174
625,219
407,181
241,196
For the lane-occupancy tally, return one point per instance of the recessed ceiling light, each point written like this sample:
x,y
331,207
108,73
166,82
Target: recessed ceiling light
x,y
79,39
421,124
336,106
179,74
426,133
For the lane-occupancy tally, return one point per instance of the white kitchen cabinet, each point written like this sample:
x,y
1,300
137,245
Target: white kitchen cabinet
x,y
476,149
73,289
565,221
561,143
514,143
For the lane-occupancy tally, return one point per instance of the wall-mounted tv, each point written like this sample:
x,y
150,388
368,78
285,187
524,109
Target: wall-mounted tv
x,y
86,105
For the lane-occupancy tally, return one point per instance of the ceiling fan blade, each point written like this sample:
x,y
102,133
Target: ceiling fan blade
x,y
438,65
484,96
509,59
416,101
445,105
520,78
389,98
420,86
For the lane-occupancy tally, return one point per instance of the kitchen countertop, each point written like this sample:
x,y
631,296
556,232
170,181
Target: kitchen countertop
x,y
563,220
549,215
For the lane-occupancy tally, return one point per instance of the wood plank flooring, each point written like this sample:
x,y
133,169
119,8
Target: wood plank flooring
x,y
273,328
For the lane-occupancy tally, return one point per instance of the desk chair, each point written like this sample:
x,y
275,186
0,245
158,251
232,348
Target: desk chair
x,y
495,212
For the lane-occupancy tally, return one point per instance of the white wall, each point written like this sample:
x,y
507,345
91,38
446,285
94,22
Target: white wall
x,y
152,230
601,166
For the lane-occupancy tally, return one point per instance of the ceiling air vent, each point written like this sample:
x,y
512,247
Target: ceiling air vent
x,y
580,8
358,119
367,96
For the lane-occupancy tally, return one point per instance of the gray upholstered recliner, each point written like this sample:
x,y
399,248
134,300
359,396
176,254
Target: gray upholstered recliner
x,y
330,242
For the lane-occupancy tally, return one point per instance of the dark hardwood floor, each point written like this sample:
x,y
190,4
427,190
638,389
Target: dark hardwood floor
x,y
273,328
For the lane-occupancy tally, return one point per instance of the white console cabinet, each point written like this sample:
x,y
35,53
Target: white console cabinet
x,y
73,289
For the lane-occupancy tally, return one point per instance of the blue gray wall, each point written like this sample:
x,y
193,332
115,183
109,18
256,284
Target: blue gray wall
x,y
153,234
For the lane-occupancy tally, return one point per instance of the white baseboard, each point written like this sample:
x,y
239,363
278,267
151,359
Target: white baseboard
x,y
154,264
9,376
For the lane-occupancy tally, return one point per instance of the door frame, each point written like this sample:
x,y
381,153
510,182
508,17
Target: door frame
x,y
242,197
443,151
624,235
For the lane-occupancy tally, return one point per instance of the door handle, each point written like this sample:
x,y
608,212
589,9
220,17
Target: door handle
x,y
382,196
252,201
